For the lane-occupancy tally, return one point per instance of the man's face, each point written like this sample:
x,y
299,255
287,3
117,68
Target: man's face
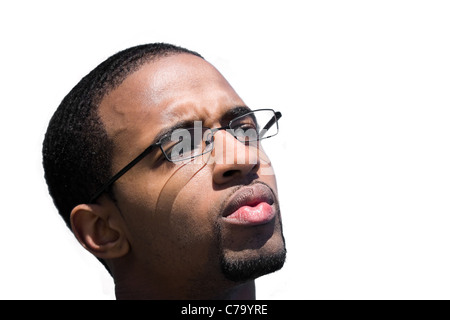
x,y
176,216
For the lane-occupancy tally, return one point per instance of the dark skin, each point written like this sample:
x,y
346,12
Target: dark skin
x,y
160,234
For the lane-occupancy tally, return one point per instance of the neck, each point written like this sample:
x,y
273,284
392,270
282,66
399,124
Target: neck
x,y
245,291
136,283
155,290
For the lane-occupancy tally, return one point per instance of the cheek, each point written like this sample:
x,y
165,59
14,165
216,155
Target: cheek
x,y
185,209
177,221
184,233
193,213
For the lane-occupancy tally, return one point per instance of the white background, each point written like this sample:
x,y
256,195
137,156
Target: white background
x,y
362,160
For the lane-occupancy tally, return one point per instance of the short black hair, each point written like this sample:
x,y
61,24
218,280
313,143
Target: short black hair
x,y
77,151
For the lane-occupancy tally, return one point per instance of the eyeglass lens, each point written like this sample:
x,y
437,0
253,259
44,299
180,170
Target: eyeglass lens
x,y
185,144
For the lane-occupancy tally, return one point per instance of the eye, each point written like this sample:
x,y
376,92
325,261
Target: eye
x,y
170,147
183,144
246,133
245,122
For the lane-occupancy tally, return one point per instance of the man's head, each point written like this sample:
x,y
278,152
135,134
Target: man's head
x,y
182,229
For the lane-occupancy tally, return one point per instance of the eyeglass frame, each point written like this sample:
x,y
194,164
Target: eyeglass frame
x,y
150,148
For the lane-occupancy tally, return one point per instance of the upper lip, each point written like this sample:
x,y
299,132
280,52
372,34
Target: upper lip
x,y
248,196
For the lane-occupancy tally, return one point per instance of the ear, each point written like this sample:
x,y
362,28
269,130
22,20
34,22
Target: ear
x,y
96,228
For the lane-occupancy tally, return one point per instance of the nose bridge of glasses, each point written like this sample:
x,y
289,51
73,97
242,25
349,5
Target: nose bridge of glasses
x,y
228,149
227,132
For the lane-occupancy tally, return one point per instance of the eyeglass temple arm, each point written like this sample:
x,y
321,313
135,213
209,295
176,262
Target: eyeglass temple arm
x,y
104,187
270,123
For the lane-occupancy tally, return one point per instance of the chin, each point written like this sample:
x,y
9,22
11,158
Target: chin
x,y
249,253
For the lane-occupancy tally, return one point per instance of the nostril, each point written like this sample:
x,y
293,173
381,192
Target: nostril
x,y
229,173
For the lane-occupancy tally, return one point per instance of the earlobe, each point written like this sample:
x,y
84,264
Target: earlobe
x,y
91,225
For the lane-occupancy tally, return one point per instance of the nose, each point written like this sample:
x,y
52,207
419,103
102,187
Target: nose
x,y
233,159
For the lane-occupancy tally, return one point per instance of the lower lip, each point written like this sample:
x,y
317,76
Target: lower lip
x,y
246,215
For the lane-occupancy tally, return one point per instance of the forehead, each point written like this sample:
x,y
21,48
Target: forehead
x,y
162,92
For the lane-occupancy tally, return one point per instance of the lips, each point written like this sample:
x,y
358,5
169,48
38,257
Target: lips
x,y
250,205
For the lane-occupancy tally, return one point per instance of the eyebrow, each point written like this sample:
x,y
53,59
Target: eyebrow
x,y
227,116
235,112
178,125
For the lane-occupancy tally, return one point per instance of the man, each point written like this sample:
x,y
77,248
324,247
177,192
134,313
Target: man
x,y
155,164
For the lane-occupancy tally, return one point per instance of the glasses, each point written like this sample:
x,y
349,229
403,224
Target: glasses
x,y
186,144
